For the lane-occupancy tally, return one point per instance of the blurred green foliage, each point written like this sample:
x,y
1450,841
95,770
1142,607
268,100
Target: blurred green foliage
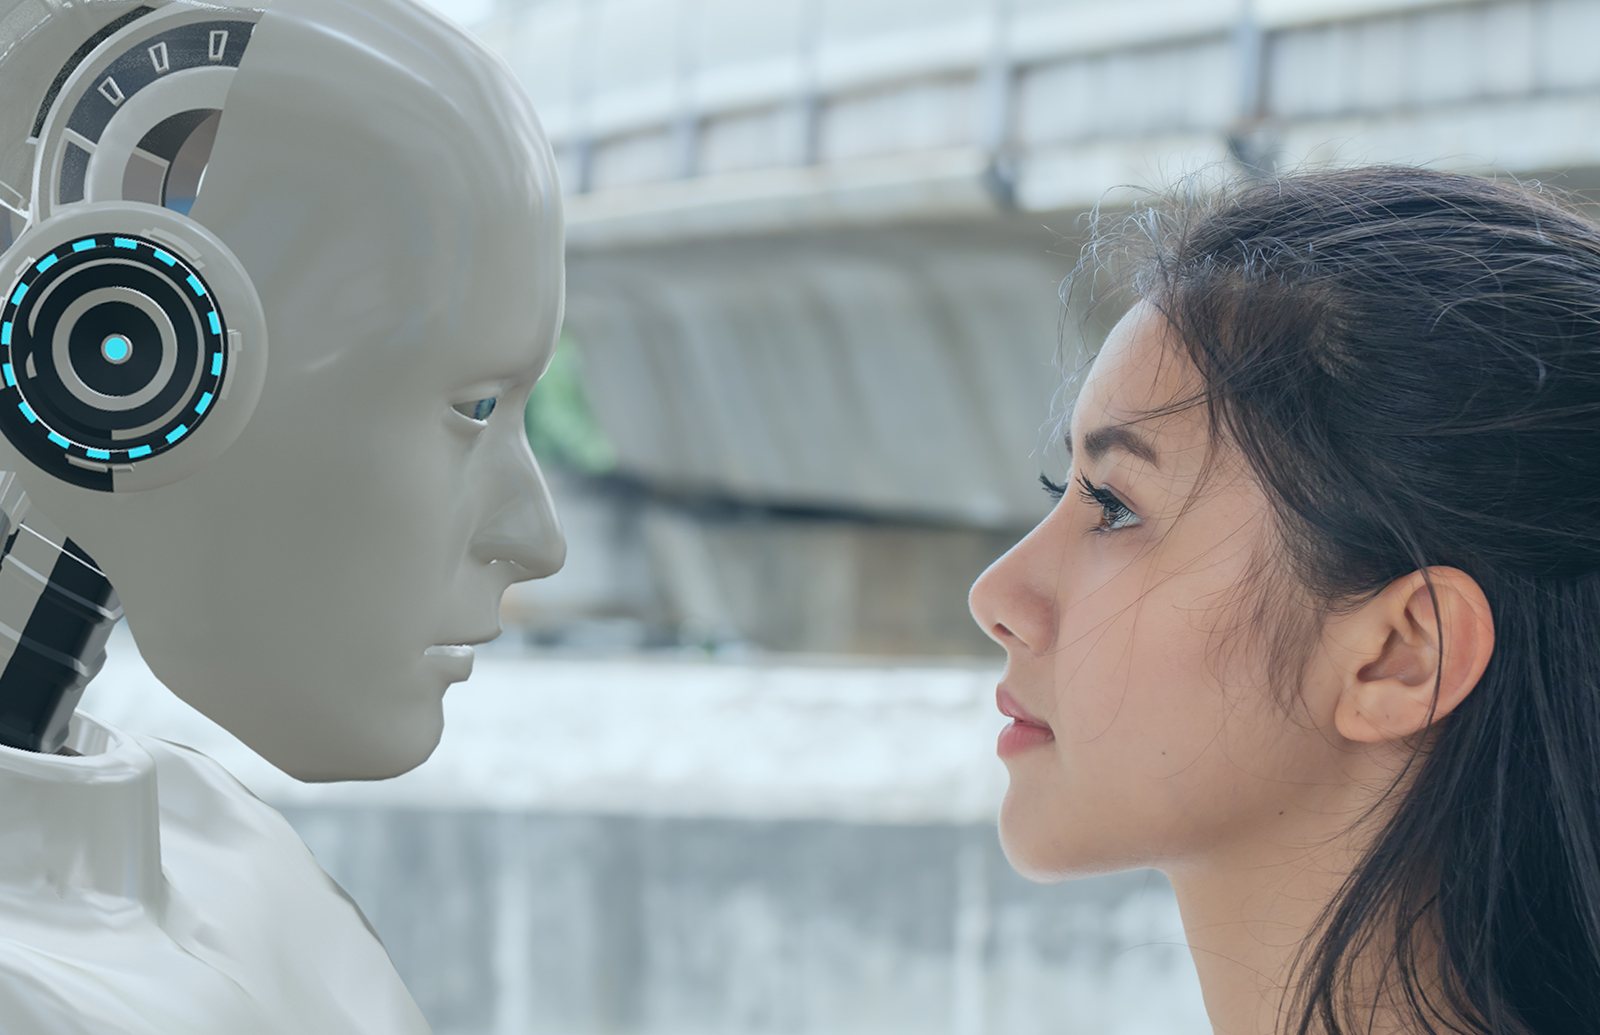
x,y
561,426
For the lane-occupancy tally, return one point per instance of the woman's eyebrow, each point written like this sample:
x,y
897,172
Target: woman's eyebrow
x,y
1117,436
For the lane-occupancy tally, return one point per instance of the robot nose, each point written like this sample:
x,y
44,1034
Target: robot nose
x,y
525,532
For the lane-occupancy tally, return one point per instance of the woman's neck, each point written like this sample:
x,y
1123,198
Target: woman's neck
x,y
1248,908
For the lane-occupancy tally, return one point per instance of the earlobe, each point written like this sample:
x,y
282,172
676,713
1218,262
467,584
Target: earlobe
x,y
1390,691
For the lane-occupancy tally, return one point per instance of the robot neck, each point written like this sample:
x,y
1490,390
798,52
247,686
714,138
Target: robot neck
x,y
56,611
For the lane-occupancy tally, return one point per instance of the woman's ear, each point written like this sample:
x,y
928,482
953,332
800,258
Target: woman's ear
x,y
1397,654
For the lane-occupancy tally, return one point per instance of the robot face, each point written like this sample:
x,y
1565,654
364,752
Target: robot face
x,y
386,186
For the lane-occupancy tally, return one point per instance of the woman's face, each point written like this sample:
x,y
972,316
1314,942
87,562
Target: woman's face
x,y
1166,743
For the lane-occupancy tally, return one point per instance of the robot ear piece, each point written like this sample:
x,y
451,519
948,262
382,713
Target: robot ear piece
x,y
132,342
132,346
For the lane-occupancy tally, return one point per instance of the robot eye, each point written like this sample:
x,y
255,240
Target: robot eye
x,y
478,409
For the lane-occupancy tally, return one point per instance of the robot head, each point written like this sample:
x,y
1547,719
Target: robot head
x,y
365,282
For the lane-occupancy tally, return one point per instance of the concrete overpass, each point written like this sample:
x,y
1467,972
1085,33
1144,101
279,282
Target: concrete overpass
x,y
809,263
816,244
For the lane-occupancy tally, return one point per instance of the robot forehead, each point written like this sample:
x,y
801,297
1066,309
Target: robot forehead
x,y
348,148
408,174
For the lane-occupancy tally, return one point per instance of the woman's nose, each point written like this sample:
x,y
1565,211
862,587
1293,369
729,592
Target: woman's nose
x,y
1008,604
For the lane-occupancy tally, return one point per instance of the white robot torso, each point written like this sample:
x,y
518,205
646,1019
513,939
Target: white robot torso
x,y
145,891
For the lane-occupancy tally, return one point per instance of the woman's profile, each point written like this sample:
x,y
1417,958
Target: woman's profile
x,y
1314,628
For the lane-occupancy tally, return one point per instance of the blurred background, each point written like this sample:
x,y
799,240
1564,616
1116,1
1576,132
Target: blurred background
x,y
732,771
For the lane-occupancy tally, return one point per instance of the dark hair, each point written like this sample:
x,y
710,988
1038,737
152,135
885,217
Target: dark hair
x,y
1409,361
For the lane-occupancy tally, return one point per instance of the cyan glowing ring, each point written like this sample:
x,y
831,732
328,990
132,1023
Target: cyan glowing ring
x,y
16,327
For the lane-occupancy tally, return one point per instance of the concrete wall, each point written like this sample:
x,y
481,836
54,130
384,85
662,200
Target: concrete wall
x,y
821,585
909,375
657,845
524,924
644,570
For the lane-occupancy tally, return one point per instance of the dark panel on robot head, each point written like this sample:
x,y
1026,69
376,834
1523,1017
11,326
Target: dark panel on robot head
x,y
187,46
171,133
74,175
77,59
87,423
86,343
40,405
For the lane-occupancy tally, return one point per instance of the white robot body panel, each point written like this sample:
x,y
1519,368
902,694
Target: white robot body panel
x,y
135,912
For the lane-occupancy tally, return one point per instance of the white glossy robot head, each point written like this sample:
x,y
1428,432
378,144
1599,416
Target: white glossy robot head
x,y
380,184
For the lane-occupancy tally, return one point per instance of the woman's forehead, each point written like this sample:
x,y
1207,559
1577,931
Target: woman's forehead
x,y
1137,369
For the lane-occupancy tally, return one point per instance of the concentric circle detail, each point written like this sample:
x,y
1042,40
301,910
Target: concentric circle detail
x,y
113,351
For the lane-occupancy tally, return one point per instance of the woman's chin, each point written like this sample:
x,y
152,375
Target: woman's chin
x,y
1044,845
1028,844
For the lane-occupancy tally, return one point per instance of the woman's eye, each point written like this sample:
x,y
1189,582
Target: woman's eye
x,y
1115,514
477,409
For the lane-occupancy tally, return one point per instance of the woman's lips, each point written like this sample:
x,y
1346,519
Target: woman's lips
x,y
1024,732
1009,707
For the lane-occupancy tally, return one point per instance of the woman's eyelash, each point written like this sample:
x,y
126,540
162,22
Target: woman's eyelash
x,y
1112,508
477,409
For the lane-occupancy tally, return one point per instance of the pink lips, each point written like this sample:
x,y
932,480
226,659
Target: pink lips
x,y
1024,732
1008,706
